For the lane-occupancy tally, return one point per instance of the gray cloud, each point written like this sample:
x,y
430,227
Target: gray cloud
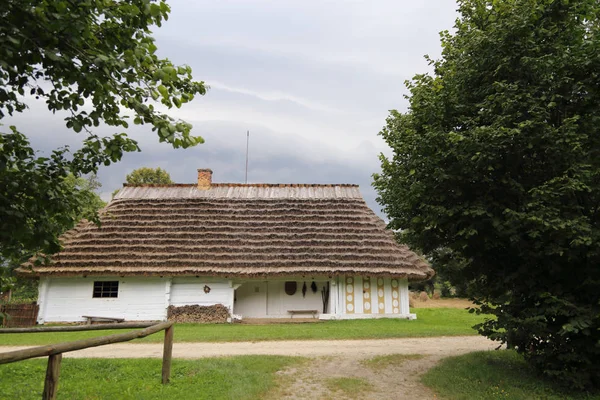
x,y
312,81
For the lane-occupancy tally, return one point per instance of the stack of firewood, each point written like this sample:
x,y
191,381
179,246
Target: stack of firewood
x,y
196,313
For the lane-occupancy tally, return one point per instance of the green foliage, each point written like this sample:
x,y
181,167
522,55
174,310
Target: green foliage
x,y
429,322
101,63
497,160
148,175
244,377
494,375
24,290
40,198
97,61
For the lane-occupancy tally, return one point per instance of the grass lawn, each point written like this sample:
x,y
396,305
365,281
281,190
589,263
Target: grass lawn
x,y
380,363
245,377
430,322
493,375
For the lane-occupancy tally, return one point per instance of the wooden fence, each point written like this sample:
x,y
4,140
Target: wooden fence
x,y
19,314
54,351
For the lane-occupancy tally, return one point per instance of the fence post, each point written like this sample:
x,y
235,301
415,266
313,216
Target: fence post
x,y
52,373
167,355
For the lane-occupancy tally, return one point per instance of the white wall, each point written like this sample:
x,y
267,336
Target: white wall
x,y
262,299
68,299
187,291
251,300
280,302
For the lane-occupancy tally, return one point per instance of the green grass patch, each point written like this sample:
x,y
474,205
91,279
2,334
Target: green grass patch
x,y
245,377
350,387
430,322
493,375
390,360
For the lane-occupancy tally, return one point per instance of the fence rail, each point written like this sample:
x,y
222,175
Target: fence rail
x,y
54,352
77,328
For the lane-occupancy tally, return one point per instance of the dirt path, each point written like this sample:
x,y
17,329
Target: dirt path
x,y
438,346
329,359
397,381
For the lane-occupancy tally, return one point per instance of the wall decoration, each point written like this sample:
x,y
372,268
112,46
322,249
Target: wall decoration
x,y
349,284
304,290
395,296
367,301
206,289
380,296
313,287
290,288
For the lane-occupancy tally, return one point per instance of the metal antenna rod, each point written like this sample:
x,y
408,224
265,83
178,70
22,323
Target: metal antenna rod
x,y
247,142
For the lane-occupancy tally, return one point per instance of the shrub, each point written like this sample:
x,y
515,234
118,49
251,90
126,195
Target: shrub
x,y
424,296
496,162
447,289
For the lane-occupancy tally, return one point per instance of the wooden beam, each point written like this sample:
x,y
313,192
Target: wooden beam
x,y
43,351
167,355
76,328
52,373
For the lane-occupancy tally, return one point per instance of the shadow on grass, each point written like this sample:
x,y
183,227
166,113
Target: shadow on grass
x,y
499,374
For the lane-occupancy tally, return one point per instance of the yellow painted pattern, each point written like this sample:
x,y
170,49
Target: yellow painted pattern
x,y
380,296
395,296
349,284
367,295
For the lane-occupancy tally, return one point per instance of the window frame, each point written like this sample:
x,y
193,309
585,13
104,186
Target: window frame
x,y
105,290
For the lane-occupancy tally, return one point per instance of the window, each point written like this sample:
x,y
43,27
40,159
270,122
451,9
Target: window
x,y
106,289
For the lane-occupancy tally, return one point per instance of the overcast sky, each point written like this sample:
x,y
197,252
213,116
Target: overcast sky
x,y
313,82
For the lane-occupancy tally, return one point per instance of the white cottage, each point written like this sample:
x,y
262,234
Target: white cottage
x,y
261,250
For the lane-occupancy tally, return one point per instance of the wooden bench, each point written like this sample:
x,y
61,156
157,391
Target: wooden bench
x,y
90,319
294,312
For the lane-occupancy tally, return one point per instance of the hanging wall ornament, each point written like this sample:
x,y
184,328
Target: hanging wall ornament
x,y
313,287
304,290
290,288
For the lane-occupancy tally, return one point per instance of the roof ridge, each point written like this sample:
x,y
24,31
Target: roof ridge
x,y
242,185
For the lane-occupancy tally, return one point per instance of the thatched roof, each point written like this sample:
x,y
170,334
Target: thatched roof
x,y
235,230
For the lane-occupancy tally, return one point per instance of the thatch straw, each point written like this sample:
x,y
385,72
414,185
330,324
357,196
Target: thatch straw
x,y
234,232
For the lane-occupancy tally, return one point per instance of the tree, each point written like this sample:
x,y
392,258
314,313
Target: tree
x,y
97,61
497,161
148,175
39,199
86,188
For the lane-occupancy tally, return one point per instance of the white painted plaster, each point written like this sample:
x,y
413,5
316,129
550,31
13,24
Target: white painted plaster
x,y
42,299
251,300
68,299
358,295
271,301
190,291
387,290
404,307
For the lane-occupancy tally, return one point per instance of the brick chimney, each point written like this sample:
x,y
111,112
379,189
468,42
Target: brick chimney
x,y
204,178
